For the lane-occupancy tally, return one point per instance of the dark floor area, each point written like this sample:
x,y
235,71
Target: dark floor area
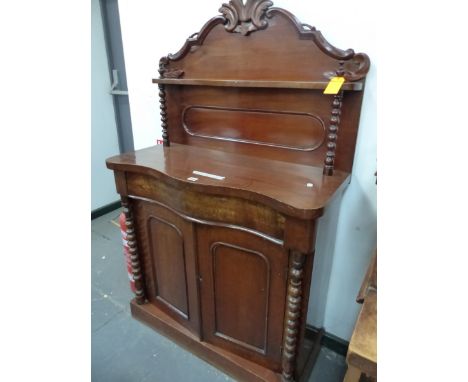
x,y
125,350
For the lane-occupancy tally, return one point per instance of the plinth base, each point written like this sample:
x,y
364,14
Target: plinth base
x,y
232,364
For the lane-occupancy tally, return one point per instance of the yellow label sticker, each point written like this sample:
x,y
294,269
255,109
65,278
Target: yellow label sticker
x,y
334,85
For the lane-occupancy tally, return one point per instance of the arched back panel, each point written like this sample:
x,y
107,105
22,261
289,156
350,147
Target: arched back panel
x,y
251,81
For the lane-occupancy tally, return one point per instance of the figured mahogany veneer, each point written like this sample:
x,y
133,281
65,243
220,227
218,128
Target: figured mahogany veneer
x,y
222,218
277,184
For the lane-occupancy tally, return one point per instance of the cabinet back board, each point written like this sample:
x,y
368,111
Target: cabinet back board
x,y
256,88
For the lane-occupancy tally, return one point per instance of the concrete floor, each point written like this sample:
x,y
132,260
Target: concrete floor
x,y
124,350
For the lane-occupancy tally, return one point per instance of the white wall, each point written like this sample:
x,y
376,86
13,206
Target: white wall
x,y
104,140
152,29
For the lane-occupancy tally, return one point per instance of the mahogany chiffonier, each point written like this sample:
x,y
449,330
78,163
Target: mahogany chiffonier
x,y
221,218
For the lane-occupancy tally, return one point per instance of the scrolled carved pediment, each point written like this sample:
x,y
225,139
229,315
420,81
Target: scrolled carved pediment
x,y
245,18
164,72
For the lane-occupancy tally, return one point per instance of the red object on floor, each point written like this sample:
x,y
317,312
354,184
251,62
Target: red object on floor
x,y
128,260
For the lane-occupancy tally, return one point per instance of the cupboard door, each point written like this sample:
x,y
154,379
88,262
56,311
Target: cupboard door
x,y
166,243
243,290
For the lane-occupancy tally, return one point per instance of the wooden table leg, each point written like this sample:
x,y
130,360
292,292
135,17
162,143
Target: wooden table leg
x,y
352,375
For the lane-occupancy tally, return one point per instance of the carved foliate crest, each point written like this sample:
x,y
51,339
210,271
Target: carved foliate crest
x,y
166,73
245,18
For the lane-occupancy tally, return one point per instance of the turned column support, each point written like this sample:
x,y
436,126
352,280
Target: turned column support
x,y
299,239
292,324
132,246
162,101
333,127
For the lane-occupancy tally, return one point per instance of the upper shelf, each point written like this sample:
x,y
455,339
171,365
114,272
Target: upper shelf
x,y
354,86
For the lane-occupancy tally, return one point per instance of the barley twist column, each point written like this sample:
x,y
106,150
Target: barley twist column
x,y
132,245
293,313
332,137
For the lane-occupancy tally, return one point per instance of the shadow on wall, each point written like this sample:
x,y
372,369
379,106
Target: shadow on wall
x,y
342,264
324,252
357,230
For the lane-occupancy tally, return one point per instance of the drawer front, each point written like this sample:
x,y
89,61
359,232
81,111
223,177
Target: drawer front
x,y
243,284
218,208
166,244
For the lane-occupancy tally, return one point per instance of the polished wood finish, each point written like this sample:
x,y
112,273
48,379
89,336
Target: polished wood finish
x,y
240,368
293,315
133,250
332,137
224,214
356,86
201,208
276,184
362,351
286,50
306,131
353,374
169,262
243,294
280,67
162,101
247,104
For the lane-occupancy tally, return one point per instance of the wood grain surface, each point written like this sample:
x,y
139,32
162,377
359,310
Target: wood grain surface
x,y
223,216
278,184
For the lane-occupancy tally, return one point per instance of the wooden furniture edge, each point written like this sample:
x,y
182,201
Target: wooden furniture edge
x,y
282,207
308,85
233,365
353,374
355,357
262,11
370,280
234,20
229,363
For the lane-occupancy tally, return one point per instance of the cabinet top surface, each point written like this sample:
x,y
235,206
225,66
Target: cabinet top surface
x,y
295,189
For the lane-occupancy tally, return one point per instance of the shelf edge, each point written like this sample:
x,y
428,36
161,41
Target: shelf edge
x,y
310,85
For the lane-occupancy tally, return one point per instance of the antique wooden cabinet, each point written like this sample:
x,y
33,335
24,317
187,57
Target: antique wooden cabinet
x,y
221,218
